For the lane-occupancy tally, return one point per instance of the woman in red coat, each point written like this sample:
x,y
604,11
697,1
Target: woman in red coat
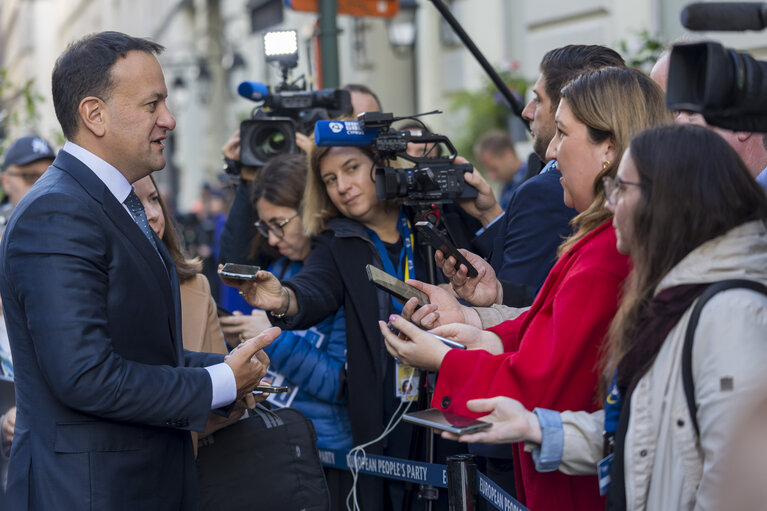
x,y
548,356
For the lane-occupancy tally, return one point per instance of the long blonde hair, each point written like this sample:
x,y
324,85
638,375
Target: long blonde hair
x,y
614,103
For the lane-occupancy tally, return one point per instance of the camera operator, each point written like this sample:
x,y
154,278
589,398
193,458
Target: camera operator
x,y
239,242
750,146
363,98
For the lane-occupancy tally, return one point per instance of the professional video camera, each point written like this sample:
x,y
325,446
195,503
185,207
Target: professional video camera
x,y
729,88
432,180
290,108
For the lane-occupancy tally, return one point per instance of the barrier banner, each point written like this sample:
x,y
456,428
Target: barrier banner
x,y
391,468
496,496
416,472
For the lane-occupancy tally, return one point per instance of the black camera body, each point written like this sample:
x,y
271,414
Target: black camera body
x,y
431,180
433,183
728,87
272,129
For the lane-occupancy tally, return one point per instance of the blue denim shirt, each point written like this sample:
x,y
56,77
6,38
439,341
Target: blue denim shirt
x,y
548,455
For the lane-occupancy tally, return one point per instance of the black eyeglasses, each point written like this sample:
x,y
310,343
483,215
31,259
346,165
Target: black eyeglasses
x,y
277,228
614,186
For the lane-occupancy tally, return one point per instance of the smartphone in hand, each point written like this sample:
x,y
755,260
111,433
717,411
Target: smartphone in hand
x,y
395,286
239,271
440,242
446,421
271,389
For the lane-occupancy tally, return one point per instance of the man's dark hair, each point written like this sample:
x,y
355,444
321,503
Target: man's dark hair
x,y
564,64
364,89
84,69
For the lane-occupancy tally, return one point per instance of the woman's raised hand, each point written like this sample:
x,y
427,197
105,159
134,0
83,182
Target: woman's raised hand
x,y
265,292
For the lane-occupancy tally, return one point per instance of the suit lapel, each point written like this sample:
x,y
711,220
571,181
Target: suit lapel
x,y
162,271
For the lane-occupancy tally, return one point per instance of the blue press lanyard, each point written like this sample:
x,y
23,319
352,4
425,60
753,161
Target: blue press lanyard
x,y
406,267
612,407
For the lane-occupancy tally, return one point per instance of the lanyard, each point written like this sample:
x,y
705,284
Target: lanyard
x,y
612,412
406,266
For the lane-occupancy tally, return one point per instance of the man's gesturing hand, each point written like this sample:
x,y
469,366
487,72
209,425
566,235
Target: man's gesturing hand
x,y
249,363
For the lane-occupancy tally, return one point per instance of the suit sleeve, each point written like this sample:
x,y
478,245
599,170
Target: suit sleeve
x,y
552,365
535,226
58,262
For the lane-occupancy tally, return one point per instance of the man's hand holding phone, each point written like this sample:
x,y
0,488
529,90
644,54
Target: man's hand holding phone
x,y
248,361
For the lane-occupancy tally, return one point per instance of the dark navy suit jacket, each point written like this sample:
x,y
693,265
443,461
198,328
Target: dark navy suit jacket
x,y
106,395
522,246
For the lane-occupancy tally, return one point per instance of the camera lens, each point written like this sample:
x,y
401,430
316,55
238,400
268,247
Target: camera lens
x,y
270,141
265,138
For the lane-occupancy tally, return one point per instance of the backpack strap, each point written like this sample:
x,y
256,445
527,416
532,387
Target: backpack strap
x,y
687,381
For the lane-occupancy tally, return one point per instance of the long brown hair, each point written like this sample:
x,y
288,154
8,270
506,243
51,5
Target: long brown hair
x,y
186,268
694,188
614,103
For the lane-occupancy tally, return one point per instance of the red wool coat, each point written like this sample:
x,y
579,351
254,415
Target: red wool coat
x,y
551,361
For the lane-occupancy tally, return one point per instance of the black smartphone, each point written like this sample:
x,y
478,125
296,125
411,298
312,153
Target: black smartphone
x,y
440,242
395,286
239,271
271,389
221,312
446,421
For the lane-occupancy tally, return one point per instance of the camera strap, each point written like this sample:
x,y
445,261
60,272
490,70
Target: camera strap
x,y
406,265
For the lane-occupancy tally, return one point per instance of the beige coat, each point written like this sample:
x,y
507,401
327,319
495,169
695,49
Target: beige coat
x,y
199,319
665,467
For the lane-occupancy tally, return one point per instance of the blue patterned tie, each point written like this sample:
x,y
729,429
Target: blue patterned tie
x,y
139,216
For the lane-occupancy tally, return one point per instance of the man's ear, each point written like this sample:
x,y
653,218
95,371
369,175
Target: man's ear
x,y
93,115
742,136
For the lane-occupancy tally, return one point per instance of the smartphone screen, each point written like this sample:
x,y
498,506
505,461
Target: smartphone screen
x,y
239,271
445,421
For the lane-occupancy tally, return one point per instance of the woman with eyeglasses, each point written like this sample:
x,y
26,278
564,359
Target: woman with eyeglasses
x,y
547,356
689,214
310,360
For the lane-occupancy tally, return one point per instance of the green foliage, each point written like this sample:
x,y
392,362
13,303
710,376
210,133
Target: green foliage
x,y
18,107
644,54
484,110
19,112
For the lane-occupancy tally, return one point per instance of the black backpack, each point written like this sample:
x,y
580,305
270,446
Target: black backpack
x,y
687,381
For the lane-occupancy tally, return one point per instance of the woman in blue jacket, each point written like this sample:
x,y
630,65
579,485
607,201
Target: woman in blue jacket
x,y
311,360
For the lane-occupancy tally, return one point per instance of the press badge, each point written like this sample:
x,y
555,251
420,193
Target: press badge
x,y
603,471
406,380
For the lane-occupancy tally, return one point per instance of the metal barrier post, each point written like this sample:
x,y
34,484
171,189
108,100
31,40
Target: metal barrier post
x,y
462,488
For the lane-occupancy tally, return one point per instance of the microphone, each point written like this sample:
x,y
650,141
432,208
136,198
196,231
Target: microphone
x,y
343,133
735,16
254,91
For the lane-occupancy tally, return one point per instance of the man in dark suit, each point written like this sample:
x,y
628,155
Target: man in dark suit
x,y
105,394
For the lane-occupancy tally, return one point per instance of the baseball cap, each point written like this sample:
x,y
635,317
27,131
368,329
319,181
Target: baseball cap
x,y
27,150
